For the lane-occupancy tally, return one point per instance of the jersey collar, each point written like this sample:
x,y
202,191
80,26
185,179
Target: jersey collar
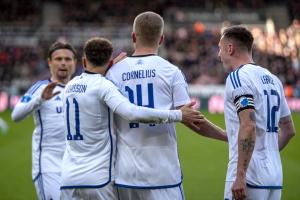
x,y
145,55
59,84
88,72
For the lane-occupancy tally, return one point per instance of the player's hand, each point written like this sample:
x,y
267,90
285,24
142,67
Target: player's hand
x,y
191,116
48,91
239,189
120,57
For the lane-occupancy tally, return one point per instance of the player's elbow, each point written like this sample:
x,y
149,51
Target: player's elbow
x,y
132,114
249,128
15,117
131,117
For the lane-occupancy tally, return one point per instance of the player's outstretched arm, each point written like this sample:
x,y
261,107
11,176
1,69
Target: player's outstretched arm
x,y
210,130
287,131
28,103
205,128
246,143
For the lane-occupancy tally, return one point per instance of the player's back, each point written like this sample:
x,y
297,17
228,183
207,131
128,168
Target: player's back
x,y
147,154
88,158
270,105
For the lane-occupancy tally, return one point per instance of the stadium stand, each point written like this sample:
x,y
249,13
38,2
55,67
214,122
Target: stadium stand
x,y
191,42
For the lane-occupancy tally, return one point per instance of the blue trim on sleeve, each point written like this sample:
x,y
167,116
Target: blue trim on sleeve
x,y
40,145
238,77
264,186
148,187
232,80
38,84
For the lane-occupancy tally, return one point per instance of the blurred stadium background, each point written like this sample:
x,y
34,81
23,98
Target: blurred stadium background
x,y
192,30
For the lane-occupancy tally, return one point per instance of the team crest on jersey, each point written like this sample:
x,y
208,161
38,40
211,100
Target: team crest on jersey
x,y
57,98
139,62
243,102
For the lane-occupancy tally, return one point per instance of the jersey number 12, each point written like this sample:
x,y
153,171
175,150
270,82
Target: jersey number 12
x,y
272,108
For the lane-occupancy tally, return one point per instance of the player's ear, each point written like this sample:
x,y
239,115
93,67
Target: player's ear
x,y
161,40
49,62
231,49
133,36
84,62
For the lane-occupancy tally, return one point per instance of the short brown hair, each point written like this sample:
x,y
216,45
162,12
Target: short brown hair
x,y
239,34
148,27
60,45
98,51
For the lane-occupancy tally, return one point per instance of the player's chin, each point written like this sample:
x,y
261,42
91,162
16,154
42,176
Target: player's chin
x,y
63,74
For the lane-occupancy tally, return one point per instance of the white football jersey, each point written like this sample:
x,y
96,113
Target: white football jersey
x,y
90,151
147,154
48,139
255,87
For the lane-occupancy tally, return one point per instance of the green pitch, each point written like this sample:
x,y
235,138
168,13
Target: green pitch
x,y
203,161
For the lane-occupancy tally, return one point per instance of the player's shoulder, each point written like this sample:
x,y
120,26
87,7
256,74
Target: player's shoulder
x,y
164,62
242,75
119,65
38,85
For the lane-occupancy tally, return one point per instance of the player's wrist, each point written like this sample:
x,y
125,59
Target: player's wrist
x,y
175,115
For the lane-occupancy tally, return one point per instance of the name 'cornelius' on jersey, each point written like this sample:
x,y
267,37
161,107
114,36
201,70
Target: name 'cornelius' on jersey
x,y
138,74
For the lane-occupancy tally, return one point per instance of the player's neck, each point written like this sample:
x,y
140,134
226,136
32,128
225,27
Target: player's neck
x,y
243,59
144,51
98,70
63,81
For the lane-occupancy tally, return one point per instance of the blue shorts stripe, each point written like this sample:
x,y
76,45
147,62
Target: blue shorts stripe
x,y
181,192
41,188
264,186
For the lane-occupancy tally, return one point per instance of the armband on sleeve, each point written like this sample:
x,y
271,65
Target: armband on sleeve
x,y
244,102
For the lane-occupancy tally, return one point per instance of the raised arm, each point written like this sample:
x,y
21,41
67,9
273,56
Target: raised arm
x,y
32,100
287,131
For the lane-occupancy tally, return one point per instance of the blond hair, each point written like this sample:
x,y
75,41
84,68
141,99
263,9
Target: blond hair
x,y
148,27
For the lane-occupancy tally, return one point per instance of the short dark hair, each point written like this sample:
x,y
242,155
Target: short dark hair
x,y
60,45
98,51
239,34
148,26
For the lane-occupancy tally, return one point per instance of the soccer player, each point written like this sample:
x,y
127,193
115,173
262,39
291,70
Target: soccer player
x,y
147,164
44,100
258,121
88,163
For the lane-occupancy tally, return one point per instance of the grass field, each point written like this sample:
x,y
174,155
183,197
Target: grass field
x,y
204,162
